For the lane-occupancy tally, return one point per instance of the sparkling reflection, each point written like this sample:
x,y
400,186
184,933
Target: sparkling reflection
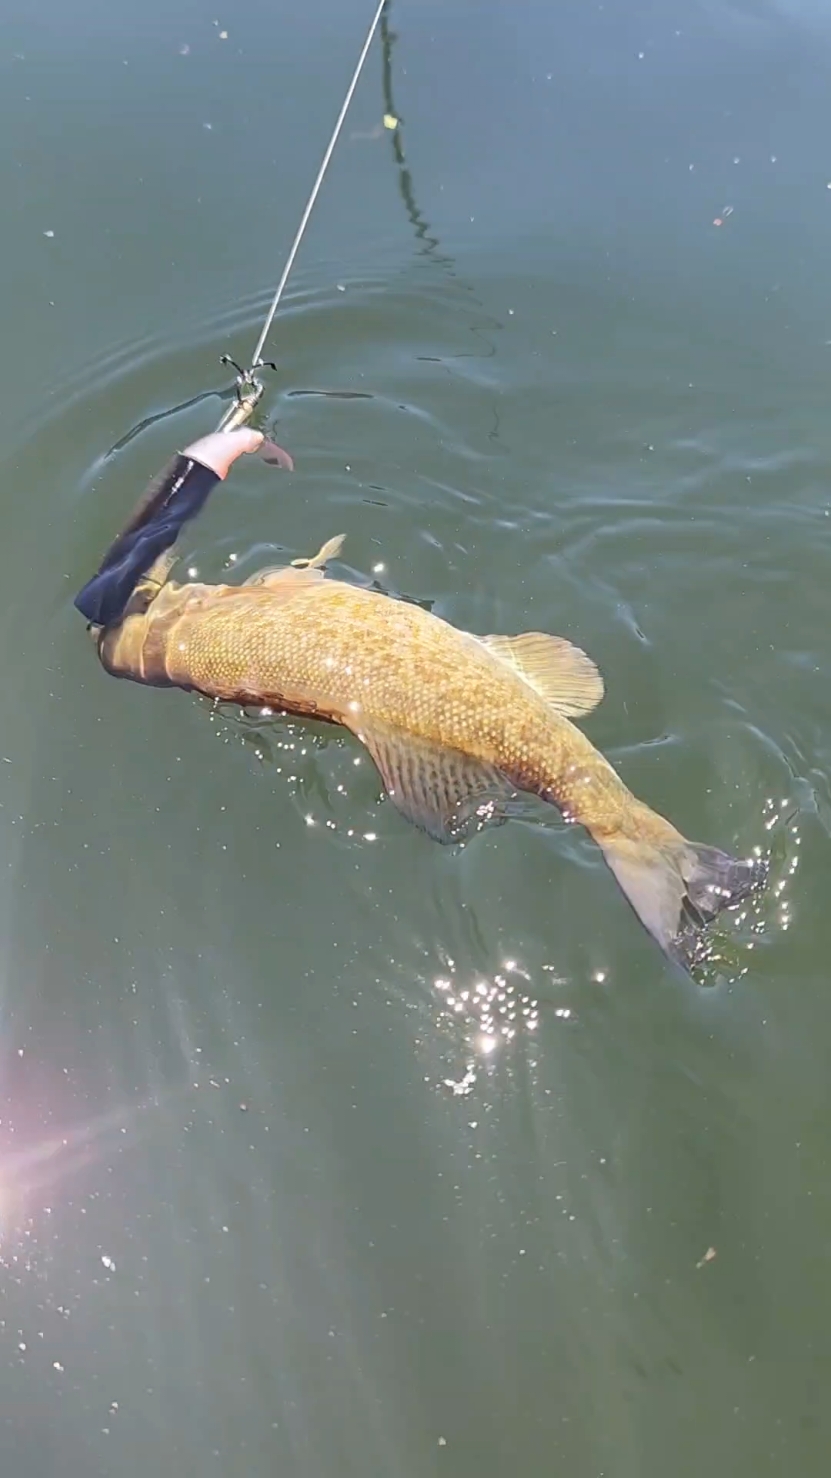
x,y
730,948
725,952
495,1016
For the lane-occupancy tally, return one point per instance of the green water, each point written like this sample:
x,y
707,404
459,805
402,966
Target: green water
x,y
325,1151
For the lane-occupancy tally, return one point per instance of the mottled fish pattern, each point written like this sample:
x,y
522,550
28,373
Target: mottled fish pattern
x,y
459,726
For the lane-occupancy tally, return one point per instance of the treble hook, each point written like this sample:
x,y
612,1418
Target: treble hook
x,y
226,359
246,376
248,393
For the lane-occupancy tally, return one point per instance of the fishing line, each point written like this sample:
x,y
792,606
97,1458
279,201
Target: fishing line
x,y
256,358
248,390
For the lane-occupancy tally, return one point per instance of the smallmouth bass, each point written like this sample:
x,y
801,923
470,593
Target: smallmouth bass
x,y
459,726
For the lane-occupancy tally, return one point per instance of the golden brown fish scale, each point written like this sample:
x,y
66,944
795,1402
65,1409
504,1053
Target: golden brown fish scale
x,y
426,698
357,657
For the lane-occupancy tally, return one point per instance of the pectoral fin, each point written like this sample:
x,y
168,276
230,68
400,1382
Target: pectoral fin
x,y
441,791
561,673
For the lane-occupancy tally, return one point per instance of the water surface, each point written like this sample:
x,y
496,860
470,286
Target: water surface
x,y
324,1150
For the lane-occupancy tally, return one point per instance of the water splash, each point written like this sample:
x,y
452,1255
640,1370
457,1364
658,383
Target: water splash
x,y
732,947
491,1019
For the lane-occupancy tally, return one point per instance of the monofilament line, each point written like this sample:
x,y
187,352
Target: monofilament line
x,y
257,356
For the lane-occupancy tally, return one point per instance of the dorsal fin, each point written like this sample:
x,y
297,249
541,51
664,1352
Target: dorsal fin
x,y
281,575
312,568
326,551
561,673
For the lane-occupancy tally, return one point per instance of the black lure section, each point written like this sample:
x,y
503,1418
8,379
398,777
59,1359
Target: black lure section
x,y
174,497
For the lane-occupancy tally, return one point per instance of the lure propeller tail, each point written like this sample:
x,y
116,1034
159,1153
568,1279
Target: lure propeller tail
x,y
220,449
677,887
275,456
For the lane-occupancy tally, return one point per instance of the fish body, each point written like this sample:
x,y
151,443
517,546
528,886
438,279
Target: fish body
x,y
363,660
458,725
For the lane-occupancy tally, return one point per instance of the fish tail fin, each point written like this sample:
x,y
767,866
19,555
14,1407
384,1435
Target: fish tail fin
x,y
678,887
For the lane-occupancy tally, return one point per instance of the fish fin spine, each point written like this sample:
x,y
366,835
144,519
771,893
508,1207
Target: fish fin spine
x,y
555,668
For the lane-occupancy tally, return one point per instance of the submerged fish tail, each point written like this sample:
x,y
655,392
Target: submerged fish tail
x,y
677,887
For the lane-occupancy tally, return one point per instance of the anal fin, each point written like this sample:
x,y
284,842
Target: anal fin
x,y
560,672
442,791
